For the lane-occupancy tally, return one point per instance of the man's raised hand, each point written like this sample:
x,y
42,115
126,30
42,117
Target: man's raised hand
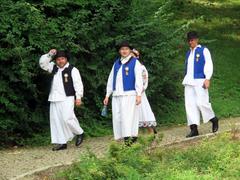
x,y
52,52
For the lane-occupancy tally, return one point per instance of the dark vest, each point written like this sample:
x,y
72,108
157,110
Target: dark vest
x,y
67,79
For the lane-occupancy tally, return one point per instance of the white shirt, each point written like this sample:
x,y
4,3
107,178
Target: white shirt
x,y
57,92
208,68
145,77
119,91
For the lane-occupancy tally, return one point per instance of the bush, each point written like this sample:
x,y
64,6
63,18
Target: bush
x,y
90,30
121,163
215,158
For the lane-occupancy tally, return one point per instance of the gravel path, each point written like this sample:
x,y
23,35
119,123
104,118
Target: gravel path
x,y
20,162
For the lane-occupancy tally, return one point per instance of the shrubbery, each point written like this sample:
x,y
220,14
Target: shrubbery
x,y
216,158
90,30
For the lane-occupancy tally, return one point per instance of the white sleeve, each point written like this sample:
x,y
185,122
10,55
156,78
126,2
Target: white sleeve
x,y
45,63
77,83
208,68
145,85
109,88
138,77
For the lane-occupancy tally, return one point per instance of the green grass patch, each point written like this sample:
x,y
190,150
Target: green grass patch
x,y
214,158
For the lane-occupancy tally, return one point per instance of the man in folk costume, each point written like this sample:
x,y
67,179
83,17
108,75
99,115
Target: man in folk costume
x,y
66,89
198,72
126,85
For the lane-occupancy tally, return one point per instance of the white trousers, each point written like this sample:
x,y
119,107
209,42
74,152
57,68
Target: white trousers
x,y
196,102
125,118
63,122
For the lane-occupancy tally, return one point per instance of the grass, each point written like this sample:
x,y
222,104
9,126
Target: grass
x,y
214,158
217,23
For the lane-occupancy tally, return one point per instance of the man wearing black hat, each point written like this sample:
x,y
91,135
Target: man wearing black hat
x,y
126,86
198,72
66,89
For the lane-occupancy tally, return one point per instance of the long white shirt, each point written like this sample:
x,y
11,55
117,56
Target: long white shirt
x,y
119,91
145,77
57,92
208,68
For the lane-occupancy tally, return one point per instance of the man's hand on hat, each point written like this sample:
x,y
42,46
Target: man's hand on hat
x,y
52,52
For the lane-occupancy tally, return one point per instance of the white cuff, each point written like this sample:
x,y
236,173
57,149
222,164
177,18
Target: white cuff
x,y
108,94
139,94
78,96
207,77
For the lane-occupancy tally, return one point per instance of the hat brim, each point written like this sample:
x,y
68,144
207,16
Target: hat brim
x,y
59,54
119,47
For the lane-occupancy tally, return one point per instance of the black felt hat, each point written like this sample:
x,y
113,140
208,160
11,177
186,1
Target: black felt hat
x,y
62,53
192,35
123,44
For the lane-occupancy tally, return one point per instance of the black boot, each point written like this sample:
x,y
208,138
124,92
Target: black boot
x,y
214,124
154,130
79,139
134,139
194,131
60,147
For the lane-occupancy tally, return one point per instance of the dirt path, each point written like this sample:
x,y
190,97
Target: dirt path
x,y
18,163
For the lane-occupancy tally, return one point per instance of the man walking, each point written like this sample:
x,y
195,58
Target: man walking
x,y
198,72
126,86
66,90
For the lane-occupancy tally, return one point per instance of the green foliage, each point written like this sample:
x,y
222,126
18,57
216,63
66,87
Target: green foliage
x,y
216,158
89,30
121,163
212,159
216,22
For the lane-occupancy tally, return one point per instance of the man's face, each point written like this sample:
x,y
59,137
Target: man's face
x,y
193,43
61,61
125,51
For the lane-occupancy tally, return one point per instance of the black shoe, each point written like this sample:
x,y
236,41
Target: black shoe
x,y
214,124
79,139
194,131
60,147
134,139
154,130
